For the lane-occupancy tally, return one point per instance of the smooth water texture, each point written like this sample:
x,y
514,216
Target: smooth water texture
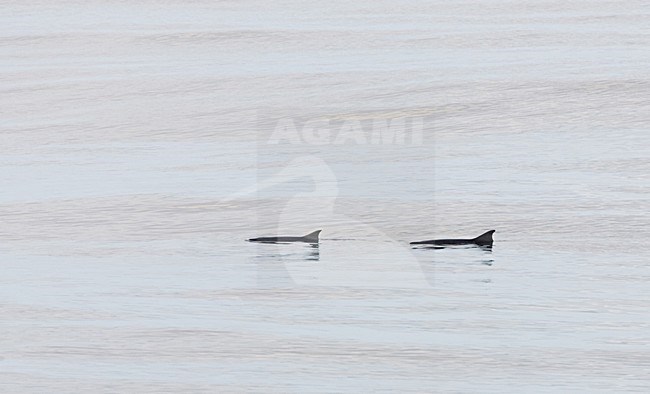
x,y
137,155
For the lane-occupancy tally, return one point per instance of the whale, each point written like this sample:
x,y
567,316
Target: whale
x,y
484,239
311,238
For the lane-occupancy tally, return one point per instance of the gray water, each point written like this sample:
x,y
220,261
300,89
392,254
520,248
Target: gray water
x,y
137,155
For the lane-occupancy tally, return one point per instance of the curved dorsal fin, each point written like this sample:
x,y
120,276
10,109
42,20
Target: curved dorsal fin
x,y
312,236
485,238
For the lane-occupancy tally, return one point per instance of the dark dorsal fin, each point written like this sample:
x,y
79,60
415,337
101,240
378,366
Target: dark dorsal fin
x,y
485,239
312,237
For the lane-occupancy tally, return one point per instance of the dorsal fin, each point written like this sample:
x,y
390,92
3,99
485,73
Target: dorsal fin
x,y
313,237
485,238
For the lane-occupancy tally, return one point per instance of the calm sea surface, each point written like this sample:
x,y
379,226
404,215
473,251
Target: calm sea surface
x,y
137,153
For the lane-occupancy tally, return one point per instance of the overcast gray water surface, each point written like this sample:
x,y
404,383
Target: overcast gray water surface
x,y
138,149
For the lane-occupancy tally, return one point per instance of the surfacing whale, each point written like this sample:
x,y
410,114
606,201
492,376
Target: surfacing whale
x,y
482,240
311,238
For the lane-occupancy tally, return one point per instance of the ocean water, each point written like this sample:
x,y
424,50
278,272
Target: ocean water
x,y
141,144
